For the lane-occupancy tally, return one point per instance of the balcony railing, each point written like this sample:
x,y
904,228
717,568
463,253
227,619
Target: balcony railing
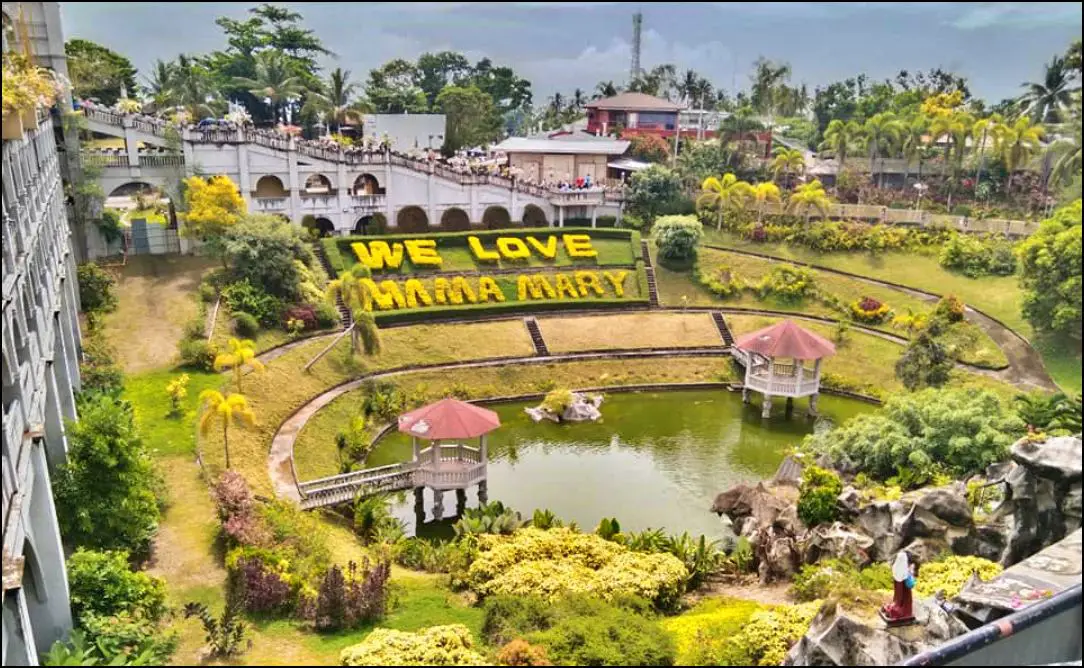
x,y
782,386
161,160
368,202
92,159
271,203
578,197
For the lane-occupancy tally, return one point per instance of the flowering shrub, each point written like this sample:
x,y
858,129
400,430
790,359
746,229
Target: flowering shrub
x,y
27,86
263,585
705,634
952,574
449,645
177,390
870,310
358,597
951,308
519,652
788,283
237,510
559,561
768,635
723,282
305,313
514,248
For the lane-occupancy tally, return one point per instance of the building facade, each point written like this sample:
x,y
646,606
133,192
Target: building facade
x,y
40,365
630,114
562,156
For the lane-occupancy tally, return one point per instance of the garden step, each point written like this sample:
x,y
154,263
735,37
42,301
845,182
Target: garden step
x,y
724,330
652,288
344,313
645,254
536,337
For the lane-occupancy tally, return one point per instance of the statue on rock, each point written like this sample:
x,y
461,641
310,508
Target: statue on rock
x,y
900,611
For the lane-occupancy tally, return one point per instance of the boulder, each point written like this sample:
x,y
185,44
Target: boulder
x,y
1057,458
1070,508
948,504
849,501
734,502
925,550
876,520
763,503
776,553
837,541
582,408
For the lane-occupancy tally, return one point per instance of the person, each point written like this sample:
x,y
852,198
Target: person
x,y
901,609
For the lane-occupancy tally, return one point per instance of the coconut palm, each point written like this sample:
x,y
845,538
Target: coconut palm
x,y
1066,151
809,197
192,88
275,81
840,137
354,292
242,353
161,81
980,130
913,142
1045,101
606,89
335,101
786,160
226,409
578,99
765,192
955,128
1019,141
882,131
723,196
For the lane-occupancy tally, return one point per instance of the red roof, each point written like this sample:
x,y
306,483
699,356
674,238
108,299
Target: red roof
x,y
448,418
634,102
785,339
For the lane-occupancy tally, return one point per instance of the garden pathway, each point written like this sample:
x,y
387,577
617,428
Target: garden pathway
x,y
1025,364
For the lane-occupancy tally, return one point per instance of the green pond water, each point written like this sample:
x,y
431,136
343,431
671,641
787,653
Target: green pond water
x,y
656,459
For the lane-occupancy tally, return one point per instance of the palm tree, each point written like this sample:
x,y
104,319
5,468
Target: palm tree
x,y
913,141
1044,101
606,89
275,81
983,128
721,196
1019,142
955,127
786,160
161,81
242,353
335,101
1066,151
578,99
765,192
882,132
355,295
368,333
840,137
193,87
809,197
227,409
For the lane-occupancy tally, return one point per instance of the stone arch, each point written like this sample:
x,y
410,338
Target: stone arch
x,y
270,186
133,188
318,184
364,225
325,227
455,220
367,184
412,219
496,218
534,216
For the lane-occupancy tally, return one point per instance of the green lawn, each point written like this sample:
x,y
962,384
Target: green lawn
x,y
166,434
1062,362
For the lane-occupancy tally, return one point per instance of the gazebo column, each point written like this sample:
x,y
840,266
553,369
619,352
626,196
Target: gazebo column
x,y
817,389
434,453
414,448
460,500
748,373
438,505
766,407
419,508
483,492
485,450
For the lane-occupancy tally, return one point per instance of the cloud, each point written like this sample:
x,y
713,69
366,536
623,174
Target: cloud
x,y
1018,14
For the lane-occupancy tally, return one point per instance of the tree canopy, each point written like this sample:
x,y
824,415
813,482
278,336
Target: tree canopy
x,y
99,73
1050,272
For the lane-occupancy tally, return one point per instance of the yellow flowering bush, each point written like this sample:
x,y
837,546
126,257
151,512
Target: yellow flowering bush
x,y
579,246
768,635
513,248
704,635
423,252
561,561
449,645
951,574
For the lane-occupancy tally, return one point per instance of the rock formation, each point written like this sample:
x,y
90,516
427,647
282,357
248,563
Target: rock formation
x,y
581,407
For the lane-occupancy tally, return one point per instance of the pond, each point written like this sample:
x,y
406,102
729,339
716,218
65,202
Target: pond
x,y
656,459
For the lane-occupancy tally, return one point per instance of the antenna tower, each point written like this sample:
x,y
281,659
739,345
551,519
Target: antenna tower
x,y
637,22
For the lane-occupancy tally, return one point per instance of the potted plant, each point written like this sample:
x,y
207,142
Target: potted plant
x,y
26,87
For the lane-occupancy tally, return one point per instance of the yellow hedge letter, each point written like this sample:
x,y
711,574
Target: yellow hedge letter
x,y
534,284
487,287
378,254
579,245
387,295
565,286
416,292
453,292
480,253
549,251
588,279
512,248
617,279
423,252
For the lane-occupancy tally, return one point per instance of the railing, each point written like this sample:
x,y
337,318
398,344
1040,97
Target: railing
x,y
104,116
161,160
368,202
318,203
271,203
450,479
149,125
577,197
782,386
104,159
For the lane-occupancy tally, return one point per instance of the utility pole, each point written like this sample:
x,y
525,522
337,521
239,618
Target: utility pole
x,y
637,23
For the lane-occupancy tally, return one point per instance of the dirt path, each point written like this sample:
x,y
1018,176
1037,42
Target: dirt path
x,y
156,296
1025,364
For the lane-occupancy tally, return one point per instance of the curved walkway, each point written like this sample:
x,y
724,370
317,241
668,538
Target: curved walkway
x,y
1025,364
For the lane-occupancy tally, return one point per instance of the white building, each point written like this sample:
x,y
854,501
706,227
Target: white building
x,y
40,351
406,131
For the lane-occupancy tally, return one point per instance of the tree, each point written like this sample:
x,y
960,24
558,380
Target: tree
x,y
213,206
657,82
1066,152
953,127
840,137
274,81
606,89
882,133
335,101
242,353
1019,142
191,87
392,89
723,196
471,118
910,322
436,71
768,79
786,161
762,194
271,254
98,73
1046,100
510,93
649,148
809,197
368,334
105,492
913,142
702,159
652,190
226,409
1050,273
925,363
980,130
161,81
676,238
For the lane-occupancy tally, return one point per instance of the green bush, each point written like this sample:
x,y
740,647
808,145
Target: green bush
x,y
950,308
245,324
101,583
326,315
676,238
926,362
198,354
788,283
705,635
978,257
96,289
262,250
246,297
1050,272
817,496
839,578
99,371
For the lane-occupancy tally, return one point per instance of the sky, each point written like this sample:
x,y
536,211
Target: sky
x,y
559,46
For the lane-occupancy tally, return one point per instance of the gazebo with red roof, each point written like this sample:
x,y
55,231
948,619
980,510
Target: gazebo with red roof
x,y
761,351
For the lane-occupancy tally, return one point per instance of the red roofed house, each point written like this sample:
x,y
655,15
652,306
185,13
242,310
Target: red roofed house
x,y
633,114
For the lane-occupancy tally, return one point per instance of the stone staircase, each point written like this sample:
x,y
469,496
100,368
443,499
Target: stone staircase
x,y
652,286
321,256
724,329
535,333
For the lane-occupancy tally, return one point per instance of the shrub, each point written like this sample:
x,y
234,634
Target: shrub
x,y
441,557
246,297
131,638
550,563
177,390
833,578
963,431
198,354
303,312
723,281
976,257
373,521
245,324
1002,261
817,495
705,635
676,238
348,601
326,315
237,510
261,250
951,574
870,311
96,289
449,645
1050,273
262,589
102,584
950,308
99,371
225,635
519,652
788,283
925,363
769,634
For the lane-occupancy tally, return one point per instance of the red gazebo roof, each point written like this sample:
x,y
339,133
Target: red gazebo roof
x,y
447,419
785,339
